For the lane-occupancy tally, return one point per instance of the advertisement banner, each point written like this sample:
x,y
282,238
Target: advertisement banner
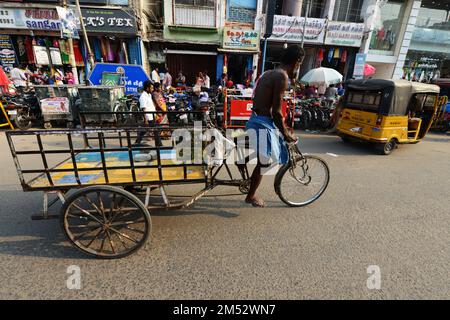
x,y
360,61
7,53
55,105
290,29
55,54
115,21
242,109
133,76
40,52
240,39
32,19
344,34
69,23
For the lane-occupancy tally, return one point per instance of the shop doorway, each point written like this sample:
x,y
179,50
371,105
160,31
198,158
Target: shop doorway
x,y
238,66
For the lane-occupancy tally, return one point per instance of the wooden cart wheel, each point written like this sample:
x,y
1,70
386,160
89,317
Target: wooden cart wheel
x,y
105,221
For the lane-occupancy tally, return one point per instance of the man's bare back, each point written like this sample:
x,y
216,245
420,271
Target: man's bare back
x,y
270,86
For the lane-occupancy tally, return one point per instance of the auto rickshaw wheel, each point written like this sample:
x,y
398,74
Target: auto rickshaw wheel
x,y
105,221
386,148
346,139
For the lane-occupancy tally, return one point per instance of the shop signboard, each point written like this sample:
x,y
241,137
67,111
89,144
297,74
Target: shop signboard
x,y
290,29
344,34
133,76
32,19
7,53
55,105
240,39
40,52
360,61
242,109
114,21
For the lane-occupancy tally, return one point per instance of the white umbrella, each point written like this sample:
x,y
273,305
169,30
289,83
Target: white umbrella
x,y
320,76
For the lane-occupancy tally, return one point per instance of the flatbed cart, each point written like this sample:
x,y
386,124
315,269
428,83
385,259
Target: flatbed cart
x,y
105,189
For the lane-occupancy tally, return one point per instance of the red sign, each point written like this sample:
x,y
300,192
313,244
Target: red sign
x,y
242,109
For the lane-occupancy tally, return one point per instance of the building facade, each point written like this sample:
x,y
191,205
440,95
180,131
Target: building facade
x,y
32,29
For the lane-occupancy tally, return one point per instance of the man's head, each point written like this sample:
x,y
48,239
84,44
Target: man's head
x,y
291,59
148,86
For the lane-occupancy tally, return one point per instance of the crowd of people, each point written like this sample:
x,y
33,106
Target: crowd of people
x,y
23,75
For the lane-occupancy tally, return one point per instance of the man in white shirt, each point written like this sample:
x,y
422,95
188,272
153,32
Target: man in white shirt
x,y
207,80
155,75
18,77
147,104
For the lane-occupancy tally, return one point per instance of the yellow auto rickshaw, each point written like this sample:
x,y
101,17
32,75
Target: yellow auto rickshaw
x,y
387,112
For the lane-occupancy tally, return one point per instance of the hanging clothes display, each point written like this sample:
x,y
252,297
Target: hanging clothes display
x,y
77,52
336,54
21,50
110,52
104,48
97,49
330,55
29,42
64,52
344,56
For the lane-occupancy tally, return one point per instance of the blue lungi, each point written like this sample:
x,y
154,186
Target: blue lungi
x,y
274,148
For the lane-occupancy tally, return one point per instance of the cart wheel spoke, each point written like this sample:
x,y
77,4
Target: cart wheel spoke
x,y
95,238
126,223
101,212
122,241
111,243
134,229
78,237
123,235
87,213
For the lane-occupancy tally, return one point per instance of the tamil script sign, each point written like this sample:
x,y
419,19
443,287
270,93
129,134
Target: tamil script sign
x,y
240,39
133,76
290,29
344,34
32,19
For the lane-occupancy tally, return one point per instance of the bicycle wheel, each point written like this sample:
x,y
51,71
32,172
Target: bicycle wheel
x,y
304,184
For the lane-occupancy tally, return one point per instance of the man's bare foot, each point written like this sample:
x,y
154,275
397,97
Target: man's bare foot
x,y
256,202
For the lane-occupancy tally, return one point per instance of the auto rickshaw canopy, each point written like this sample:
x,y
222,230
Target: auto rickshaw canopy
x,y
395,94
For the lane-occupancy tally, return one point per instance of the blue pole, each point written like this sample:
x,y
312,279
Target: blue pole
x,y
264,55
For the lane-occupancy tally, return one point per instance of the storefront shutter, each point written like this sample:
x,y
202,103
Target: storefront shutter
x,y
134,52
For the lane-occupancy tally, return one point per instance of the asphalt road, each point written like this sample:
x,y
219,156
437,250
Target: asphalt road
x,y
388,211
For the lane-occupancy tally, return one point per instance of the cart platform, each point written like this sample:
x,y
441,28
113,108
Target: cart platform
x,y
115,159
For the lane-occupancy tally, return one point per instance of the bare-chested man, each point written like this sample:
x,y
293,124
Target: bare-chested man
x,y
267,115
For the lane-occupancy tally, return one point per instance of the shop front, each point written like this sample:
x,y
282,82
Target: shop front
x,y
237,53
112,35
342,43
428,57
33,37
331,44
